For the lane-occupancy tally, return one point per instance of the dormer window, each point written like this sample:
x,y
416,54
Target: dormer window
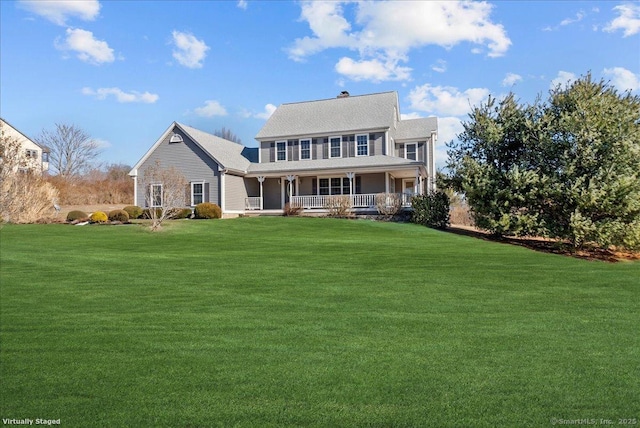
x,y
176,138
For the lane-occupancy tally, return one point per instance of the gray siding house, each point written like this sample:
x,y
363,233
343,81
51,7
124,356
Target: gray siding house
x,y
308,152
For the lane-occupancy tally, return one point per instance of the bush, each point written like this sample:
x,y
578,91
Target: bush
x,y
99,217
291,210
207,210
179,213
338,206
119,215
134,211
388,204
431,210
146,213
77,216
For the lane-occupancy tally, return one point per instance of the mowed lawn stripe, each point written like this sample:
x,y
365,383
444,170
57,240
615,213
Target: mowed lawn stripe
x,y
309,322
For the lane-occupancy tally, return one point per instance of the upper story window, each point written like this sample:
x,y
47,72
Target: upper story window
x,y
335,147
305,149
281,151
411,151
32,154
362,145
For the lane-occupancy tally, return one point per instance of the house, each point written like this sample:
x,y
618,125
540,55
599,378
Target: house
x,y
308,152
33,157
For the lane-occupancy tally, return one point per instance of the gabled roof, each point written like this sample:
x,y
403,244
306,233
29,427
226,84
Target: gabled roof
x,y
225,153
16,130
413,129
331,116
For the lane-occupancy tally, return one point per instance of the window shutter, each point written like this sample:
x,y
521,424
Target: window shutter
x,y
206,193
187,195
325,149
272,152
372,144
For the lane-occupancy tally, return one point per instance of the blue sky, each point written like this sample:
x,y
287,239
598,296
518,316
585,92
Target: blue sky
x,y
125,70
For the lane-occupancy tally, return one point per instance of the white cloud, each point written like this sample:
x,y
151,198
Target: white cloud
x,y
623,79
564,79
88,48
121,96
511,79
268,111
408,116
387,30
188,51
59,11
628,19
373,70
579,16
211,108
446,100
242,4
448,130
440,66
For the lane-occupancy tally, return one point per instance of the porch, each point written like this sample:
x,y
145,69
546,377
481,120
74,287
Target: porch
x,y
318,202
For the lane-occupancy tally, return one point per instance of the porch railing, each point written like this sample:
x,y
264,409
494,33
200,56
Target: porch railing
x,y
252,203
360,200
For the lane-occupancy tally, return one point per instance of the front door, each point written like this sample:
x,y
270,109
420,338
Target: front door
x,y
409,186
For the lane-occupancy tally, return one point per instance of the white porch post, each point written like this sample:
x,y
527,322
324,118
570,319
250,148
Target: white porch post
x,y
416,184
386,183
261,180
135,190
351,176
222,190
282,192
290,179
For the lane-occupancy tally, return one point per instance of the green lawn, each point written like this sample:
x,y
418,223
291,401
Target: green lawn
x,y
309,322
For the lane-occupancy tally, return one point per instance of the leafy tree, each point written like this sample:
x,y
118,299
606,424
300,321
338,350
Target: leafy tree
x,y
73,151
431,209
568,168
227,135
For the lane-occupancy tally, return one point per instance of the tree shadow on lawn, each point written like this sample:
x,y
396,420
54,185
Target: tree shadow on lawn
x,y
552,246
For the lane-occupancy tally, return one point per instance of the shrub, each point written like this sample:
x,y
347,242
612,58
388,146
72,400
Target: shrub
x,y
179,213
77,216
99,217
338,206
291,210
146,213
388,204
207,210
431,210
134,211
119,215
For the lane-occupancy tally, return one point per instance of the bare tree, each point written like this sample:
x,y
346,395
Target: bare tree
x,y
73,151
227,135
25,196
164,192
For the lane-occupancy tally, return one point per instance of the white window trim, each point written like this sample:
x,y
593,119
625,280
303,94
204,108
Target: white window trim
x,y
192,193
285,151
356,143
329,177
151,198
332,138
405,150
310,148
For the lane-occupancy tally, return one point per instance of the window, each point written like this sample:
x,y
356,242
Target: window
x,y
362,145
32,154
411,151
336,186
305,149
197,193
156,195
335,147
281,151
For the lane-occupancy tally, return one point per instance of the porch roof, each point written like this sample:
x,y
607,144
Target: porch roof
x,y
378,162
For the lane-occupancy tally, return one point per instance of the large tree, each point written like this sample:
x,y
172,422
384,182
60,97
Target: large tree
x,y
72,150
567,168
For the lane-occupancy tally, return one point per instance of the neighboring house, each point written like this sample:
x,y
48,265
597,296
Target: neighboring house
x,y
308,152
34,157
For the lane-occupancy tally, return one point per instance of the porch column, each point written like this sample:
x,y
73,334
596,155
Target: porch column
x,y
386,183
290,179
350,176
416,186
261,180
135,190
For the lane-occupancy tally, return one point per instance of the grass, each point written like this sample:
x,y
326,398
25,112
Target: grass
x,y
309,322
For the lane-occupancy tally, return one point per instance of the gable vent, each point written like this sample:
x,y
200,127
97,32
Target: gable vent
x,y
176,138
